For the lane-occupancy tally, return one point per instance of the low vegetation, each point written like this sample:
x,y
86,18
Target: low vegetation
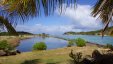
x,y
20,33
57,56
97,32
7,49
39,46
80,42
76,58
70,43
95,58
5,46
109,46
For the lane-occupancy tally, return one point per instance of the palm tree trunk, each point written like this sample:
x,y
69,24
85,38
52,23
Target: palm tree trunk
x,y
8,25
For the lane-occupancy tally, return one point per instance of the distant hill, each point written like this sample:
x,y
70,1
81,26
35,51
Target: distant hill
x,y
24,33
97,32
20,33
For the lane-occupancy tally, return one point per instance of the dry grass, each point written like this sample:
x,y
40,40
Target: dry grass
x,y
13,40
57,56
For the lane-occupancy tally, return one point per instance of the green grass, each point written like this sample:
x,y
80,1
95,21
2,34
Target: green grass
x,y
36,57
39,46
57,56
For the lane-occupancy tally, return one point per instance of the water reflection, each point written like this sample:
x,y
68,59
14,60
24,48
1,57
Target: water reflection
x,y
52,43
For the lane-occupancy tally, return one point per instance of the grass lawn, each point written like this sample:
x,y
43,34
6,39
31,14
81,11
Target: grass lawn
x,y
57,56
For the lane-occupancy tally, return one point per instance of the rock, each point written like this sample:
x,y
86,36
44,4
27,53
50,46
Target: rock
x,y
17,51
2,53
86,61
96,54
13,53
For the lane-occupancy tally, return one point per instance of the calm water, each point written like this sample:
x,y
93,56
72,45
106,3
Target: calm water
x,y
53,43
91,38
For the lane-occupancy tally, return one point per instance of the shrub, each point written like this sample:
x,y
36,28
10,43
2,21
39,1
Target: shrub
x,y
39,46
109,46
75,58
80,42
96,58
70,43
5,46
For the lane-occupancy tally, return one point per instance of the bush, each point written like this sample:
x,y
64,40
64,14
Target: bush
x,y
5,46
80,42
96,58
70,43
75,58
39,46
109,46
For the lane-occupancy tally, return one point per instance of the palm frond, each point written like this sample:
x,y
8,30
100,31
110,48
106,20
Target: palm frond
x,y
104,8
1,27
10,29
25,9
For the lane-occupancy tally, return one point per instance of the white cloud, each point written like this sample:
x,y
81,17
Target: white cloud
x,y
39,28
82,17
82,21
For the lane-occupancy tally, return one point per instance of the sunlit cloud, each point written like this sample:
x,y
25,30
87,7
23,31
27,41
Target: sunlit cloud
x,y
81,17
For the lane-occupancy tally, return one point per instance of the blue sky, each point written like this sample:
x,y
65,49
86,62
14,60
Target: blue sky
x,y
71,20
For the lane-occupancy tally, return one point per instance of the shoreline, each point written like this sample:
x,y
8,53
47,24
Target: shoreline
x,y
99,45
14,40
60,54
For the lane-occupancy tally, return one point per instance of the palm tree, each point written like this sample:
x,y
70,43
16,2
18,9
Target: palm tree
x,y
20,10
104,9
10,29
16,11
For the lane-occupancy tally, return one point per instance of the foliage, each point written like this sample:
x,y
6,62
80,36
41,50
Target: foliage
x,y
34,61
20,33
76,58
39,46
7,24
11,14
109,46
80,42
109,31
96,58
26,9
5,46
104,10
70,43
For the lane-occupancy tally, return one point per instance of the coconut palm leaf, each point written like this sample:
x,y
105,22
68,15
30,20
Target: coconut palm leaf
x,y
16,11
10,29
24,9
1,27
104,8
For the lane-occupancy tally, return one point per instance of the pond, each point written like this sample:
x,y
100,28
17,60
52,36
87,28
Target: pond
x,y
54,43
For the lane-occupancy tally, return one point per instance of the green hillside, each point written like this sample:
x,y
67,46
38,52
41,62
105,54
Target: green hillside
x,y
97,32
20,33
